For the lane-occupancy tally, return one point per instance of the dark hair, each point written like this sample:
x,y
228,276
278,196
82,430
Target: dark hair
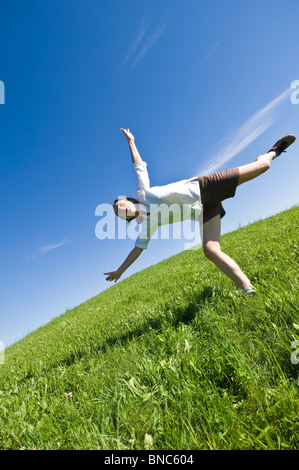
x,y
131,199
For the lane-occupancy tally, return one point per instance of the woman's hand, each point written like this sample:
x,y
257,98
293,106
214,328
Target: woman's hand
x,y
113,276
132,256
131,141
128,134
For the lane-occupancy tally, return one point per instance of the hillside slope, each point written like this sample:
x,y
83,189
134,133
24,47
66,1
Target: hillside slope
x,y
173,357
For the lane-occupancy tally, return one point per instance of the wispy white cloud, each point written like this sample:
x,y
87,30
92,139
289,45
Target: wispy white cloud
x,y
142,28
212,50
44,249
146,37
245,134
47,248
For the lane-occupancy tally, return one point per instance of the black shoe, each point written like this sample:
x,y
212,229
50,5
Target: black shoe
x,y
282,144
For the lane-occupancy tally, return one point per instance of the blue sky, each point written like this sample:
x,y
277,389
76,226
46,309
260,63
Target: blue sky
x,y
203,86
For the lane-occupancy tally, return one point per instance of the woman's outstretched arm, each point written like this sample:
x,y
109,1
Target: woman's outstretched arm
x,y
133,255
133,149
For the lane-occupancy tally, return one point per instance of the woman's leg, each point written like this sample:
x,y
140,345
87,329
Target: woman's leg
x,y
252,170
212,250
211,229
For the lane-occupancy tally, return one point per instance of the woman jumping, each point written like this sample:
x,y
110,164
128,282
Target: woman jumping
x,y
202,194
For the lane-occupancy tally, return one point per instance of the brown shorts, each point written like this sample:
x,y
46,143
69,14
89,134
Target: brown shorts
x,y
214,189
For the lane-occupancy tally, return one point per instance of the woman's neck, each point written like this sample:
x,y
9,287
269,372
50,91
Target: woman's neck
x,y
141,211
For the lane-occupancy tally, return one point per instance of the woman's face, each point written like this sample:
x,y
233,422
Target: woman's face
x,y
125,209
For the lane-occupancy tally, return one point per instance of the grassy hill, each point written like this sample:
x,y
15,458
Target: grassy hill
x,y
173,357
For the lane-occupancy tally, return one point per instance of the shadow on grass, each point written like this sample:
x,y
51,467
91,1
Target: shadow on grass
x,y
171,316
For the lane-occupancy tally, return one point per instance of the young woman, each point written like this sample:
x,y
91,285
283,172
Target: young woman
x,y
202,194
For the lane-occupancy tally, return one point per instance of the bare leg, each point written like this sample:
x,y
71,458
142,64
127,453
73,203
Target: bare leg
x,y
211,229
252,170
212,250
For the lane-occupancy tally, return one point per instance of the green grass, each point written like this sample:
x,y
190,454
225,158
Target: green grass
x,y
173,357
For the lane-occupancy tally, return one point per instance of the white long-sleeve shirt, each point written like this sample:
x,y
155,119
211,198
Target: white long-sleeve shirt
x,y
166,204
